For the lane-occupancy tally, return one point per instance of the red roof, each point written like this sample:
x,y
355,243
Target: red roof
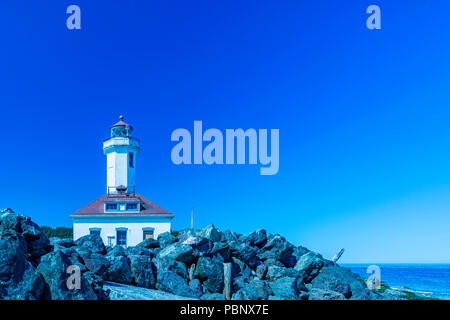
x,y
122,123
147,209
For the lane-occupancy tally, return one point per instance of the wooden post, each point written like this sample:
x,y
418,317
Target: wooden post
x,y
227,280
338,255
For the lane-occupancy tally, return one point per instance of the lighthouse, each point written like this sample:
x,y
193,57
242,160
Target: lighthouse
x,y
121,216
121,150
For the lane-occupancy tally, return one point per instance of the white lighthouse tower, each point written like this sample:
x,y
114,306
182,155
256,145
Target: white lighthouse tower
x,y
121,216
121,150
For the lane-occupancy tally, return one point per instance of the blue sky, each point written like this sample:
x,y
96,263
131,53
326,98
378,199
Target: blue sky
x,y
363,115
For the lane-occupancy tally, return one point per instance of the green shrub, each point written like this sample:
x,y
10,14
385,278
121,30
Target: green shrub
x,y
59,232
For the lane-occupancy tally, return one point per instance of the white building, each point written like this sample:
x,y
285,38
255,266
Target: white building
x,y
121,216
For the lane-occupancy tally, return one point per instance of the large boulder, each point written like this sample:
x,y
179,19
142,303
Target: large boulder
x,y
261,271
171,265
171,282
210,232
244,252
342,280
56,267
118,270
18,278
210,272
320,294
201,245
166,239
277,248
332,279
276,272
228,236
66,243
222,249
198,288
95,262
142,271
309,264
37,242
92,242
288,287
257,238
177,251
149,244
240,269
262,287
139,251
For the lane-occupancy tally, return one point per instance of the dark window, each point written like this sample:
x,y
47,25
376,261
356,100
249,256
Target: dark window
x,y
148,234
97,232
121,238
111,206
131,160
132,206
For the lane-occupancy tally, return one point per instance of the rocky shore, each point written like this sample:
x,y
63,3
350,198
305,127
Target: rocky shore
x,y
198,264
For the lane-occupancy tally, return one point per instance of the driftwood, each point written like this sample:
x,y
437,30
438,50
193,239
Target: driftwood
x,y
338,255
227,280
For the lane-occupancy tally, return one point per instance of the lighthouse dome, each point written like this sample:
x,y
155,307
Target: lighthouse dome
x,y
121,129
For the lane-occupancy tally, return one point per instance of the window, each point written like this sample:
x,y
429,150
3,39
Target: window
x,y
131,159
121,238
95,231
132,206
111,206
110,241
148,234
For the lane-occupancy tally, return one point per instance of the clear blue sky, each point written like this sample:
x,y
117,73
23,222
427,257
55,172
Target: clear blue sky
x,y
363,115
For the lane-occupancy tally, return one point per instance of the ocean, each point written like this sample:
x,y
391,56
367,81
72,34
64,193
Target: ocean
x,y
427,280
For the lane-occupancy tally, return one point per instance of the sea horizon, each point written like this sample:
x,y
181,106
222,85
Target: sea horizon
x,y
431,280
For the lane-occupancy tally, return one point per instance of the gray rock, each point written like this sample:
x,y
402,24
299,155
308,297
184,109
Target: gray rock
x,y
117,251
210,273
18,278
118,270
309,264
320,294
197,287
166,239
261,271
139,251
222,249
257,238
96,263
247,293
276,272
120,291
277,248
171,282
66,243
92,242
177,251
240,269
142,271
285,287
37,242
262,287
171,265
53,268
228,236
332,279
213,296
210,232
244,252
148,244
